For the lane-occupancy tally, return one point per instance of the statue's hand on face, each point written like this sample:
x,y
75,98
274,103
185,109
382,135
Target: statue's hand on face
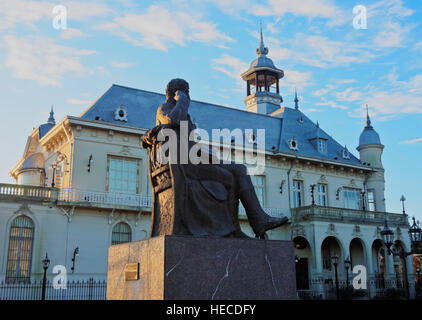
x,y
181,95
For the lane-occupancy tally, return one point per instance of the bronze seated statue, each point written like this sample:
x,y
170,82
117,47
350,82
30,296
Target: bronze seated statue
x,y
197,199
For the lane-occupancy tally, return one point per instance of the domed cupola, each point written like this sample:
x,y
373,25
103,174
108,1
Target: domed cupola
x,y
370,154
368,135
370,147
262,87
32,171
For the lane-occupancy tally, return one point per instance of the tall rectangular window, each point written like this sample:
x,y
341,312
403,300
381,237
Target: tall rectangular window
x,y
351,198
371,200
321,195
19,257
322,145
123,175
297,193
259,185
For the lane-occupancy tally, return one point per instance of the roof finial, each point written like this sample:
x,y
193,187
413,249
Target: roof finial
x,y
261,49
51,119
368,121
296,101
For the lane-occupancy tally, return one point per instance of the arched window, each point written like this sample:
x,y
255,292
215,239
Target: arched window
x,y
121,233
19,258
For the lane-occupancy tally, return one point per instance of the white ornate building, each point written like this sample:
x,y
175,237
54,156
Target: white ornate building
x,y
82,183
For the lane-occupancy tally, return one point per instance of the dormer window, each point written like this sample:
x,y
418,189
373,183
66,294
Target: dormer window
x,y
322,145
293,145
345,154
319,139
120,114
251,137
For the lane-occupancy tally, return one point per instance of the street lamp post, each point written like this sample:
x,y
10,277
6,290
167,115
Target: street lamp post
x,y
75,254
335,260
415,239
54,167
313,193
347,265
403,199
363,200
45,265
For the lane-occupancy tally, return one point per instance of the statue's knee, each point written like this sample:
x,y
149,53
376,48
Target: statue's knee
x,y
240,169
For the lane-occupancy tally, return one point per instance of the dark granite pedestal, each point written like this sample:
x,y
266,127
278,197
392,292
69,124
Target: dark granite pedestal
x,y
186,268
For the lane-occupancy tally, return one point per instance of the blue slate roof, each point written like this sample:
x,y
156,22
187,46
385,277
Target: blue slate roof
x,y
142,105
296,124
262,61
44,128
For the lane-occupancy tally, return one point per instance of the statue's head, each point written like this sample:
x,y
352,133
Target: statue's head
x,y
175,85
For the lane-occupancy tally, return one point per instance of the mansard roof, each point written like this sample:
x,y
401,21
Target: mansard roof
x,y
141,107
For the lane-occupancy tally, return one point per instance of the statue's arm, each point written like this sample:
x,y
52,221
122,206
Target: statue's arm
x,y
176,114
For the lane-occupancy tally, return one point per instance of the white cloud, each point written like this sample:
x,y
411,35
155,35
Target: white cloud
x,y
389,7
321,92
295,79
231,66
78,101
397,96
311,110
349,95
42,60
29,12
332,104
392,34
386,17
387,102
22,11
415,84
344,81
232,7
385,30
320,51
307,8
79,10
417,140
160,27
71,33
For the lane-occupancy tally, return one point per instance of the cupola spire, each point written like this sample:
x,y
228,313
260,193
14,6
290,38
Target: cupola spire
x,y
296,100
262,49
51,119
368,121
262,82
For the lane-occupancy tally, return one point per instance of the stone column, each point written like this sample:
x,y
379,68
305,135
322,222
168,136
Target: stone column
x,y
410,276
390,275
370,271
317,280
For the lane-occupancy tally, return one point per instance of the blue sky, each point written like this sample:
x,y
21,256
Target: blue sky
x,y
336,68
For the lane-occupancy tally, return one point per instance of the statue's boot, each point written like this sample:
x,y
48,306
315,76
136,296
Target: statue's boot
x,y
258,219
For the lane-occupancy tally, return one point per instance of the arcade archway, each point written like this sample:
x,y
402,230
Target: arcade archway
x,y
303,255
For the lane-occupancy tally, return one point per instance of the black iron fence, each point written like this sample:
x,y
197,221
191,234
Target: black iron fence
x,y
316,289
76,290
326,289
